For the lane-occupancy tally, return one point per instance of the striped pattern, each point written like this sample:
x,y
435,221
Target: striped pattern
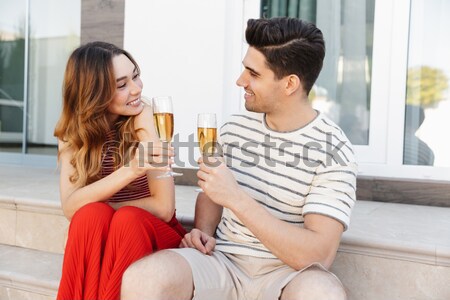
x,y
291,174
137,189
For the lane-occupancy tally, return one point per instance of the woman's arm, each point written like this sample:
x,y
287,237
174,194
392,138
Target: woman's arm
x,y
73,197
161,202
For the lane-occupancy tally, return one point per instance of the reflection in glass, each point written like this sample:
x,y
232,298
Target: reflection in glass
x,y
427,106
52,39
53,32
12,61
415,151
342,90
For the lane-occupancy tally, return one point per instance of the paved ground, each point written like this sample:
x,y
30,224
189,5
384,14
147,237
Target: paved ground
x,y
43,183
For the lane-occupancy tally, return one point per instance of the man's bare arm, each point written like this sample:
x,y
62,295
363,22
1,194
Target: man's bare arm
x,y
207,217
207,214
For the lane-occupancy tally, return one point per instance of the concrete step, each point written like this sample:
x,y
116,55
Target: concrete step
x,y
396,251
369,267
391,251
28,274
31,215
32,223
40,224
33,231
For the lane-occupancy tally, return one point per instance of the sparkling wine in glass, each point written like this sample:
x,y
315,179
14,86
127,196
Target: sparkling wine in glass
x,y
207,135
164,124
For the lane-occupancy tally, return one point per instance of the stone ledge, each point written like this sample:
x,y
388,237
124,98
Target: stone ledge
x,y
365,277
386,230
45,206
37,271
383,244
380,248
31,204
399,231
376,278
394,236
7,202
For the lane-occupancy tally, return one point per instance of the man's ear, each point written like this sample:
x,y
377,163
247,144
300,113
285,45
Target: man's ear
x,y
293,83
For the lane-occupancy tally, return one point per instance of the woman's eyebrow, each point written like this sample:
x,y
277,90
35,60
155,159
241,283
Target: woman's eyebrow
x,y
125,77
121,78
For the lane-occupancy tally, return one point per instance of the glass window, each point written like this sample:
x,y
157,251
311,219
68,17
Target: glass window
x,y
302,9
427,91
343,88
55,32
32,64
12,62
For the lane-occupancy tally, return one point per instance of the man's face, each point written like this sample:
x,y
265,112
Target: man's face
x,y
262,89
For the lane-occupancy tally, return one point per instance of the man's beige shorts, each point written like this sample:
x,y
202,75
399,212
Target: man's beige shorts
x,y
237,277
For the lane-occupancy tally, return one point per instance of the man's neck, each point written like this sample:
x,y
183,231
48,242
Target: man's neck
x,y
291,117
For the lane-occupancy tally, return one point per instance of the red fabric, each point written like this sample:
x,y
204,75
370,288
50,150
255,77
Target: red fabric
x,y
102,243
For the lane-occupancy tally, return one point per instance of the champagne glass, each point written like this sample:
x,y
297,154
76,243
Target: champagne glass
x,y
207,135
164,123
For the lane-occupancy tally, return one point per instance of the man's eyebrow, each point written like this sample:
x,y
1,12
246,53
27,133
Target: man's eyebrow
x,y
252,70
125,77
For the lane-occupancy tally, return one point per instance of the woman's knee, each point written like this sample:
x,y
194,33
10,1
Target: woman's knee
x,y
314,283
129,212
90,223
94,214
130,217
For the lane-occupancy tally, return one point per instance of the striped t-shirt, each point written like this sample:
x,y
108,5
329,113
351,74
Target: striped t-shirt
x,y
291,174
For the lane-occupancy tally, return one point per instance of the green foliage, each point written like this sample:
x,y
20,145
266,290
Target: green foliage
x,y
426,86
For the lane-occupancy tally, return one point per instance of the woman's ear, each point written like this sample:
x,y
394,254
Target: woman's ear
x,y
293,83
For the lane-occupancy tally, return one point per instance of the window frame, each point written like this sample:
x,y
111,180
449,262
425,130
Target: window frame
x,y
383,156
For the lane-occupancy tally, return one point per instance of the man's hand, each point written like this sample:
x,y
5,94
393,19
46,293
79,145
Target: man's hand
x,y
198,240
217,181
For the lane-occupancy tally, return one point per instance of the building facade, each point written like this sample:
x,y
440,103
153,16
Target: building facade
x,y
385,79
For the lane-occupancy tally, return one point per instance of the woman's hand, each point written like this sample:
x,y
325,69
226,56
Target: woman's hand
x,y
151,156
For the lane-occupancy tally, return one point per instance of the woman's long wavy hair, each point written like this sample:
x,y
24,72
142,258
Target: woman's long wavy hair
x,y
88,89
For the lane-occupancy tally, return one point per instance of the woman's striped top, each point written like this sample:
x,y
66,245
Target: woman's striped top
x,y
311,170
135,190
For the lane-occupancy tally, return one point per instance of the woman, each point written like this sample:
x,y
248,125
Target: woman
x,y
118,211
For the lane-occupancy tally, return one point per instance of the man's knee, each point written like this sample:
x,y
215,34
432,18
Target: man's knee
x,y
135,274
153,276
314,283
146,271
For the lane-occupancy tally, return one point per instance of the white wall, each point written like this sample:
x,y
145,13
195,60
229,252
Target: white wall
x,y
191,50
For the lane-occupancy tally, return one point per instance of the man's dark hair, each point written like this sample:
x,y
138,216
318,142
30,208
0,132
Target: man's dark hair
x,y
291,46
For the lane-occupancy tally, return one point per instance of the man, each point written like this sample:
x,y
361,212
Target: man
x,y
269,222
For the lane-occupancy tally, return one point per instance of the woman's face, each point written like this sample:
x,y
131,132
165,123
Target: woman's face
x,y
127,98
